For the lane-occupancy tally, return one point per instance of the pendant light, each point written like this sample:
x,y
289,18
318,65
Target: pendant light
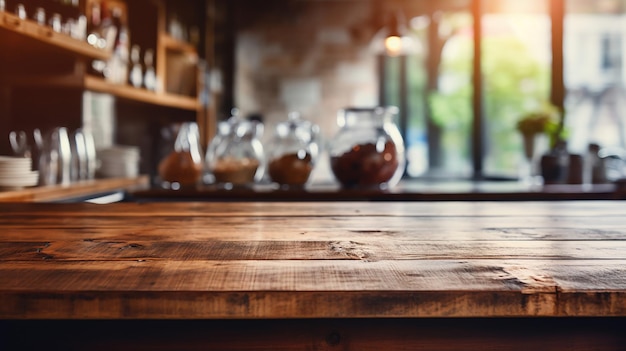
x,y
394,38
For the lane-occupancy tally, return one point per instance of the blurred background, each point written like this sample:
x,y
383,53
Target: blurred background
x,y
462,75
316,57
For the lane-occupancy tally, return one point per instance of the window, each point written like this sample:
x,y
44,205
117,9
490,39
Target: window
x,y
516,67
438,85
594,75
455,130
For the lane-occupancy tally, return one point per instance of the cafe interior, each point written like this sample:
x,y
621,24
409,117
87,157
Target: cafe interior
x,y
522,100
209,172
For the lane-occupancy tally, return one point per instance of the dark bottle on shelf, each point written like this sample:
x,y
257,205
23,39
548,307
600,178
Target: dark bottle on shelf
x,y
117,67
94,24
95,36
109,33
555,164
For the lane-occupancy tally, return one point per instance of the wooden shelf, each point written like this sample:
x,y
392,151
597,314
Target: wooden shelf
x,y
173,44
141,95
100,85
14,31
84,188
51,80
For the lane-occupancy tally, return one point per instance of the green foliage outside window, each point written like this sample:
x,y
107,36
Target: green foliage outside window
x,y
515,81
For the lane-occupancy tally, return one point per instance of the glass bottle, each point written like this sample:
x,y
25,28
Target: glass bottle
x,y
235,155
55,158
94,27
20,11
117,66
293,151
136,75
183,165
596,166
40,16
149,79
368,150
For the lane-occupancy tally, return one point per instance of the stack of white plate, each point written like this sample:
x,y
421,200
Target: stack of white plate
x,y
16,173
118,161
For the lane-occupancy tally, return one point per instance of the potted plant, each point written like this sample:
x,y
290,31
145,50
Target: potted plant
x,y
544,123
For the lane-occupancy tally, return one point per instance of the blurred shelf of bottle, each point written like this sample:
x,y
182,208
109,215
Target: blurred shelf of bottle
x,y
28,39
124,50
175,61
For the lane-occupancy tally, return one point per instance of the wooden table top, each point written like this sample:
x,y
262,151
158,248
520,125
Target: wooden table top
x,y
257,260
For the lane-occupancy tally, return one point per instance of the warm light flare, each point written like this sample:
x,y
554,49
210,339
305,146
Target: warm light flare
x,y
393,45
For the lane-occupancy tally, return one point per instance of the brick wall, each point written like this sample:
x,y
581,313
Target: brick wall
x,y
309,56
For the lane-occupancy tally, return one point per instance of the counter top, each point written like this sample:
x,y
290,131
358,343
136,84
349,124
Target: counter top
x,y
406,190
138,189
77,190
253,260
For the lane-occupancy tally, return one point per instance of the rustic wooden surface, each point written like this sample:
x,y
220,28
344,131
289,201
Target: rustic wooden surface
x,y
313,276
312,260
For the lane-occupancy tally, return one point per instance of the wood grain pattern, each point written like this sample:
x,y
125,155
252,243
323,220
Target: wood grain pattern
x,y
364,250
312,260
543,210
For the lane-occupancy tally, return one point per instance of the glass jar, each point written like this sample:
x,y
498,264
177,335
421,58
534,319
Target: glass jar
x,y
368,150
293,151
183,165
235,155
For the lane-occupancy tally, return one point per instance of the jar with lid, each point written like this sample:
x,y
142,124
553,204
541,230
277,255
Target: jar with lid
x,y
183,165
293,151
235,155
368,149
